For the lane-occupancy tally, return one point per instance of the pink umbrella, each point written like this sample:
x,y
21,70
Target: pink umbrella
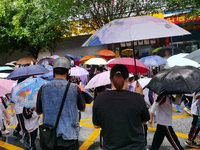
x,y
6,86
100,80
130,64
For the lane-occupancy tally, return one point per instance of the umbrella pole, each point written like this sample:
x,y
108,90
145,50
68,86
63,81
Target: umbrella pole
x,y
135,75
172,46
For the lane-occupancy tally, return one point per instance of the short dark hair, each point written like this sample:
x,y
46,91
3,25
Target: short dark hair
x,y
61,71
118,74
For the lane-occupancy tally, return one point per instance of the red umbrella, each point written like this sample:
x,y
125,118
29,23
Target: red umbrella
x,y
130,64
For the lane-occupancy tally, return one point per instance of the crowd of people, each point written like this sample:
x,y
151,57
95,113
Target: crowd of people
x,y
121,110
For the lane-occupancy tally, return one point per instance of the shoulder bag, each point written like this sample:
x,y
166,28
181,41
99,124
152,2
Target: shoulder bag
x,y
48,132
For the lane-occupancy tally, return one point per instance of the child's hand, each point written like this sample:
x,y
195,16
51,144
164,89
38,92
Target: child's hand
x,y
8,121
150,121
12,114
33,108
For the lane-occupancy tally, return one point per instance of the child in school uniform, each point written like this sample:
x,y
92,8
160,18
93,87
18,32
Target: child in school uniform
x,y
194,130
31,122
163,108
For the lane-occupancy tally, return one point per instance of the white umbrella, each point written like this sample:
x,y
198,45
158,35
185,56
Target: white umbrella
x,y
178,60
78,71
96,61
134,29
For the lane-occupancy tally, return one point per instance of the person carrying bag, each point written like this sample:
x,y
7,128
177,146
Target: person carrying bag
x,y
48,132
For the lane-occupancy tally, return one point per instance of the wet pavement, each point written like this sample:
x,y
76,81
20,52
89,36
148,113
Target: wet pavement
x,y
89,137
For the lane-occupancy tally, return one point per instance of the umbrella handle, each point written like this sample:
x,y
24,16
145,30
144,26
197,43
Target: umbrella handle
x,y
135,75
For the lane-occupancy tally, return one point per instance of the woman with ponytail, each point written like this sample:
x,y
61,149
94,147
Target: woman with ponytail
x,y
121,113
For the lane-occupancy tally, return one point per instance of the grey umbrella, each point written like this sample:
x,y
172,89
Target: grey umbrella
x,y
194,56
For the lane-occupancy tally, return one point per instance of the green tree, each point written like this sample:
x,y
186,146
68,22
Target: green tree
x,y
31,25
96,13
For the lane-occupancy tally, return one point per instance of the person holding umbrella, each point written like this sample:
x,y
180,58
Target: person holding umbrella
x,y
121,113
163,108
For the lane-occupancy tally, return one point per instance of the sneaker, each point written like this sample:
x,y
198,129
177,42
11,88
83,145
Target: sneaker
x,y
17,135
191,144
177,108
5,132
187,111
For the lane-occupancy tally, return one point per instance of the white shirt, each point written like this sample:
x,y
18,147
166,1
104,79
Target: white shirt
x,y
1,113
164,113
32,123
195,106
18,108
163,109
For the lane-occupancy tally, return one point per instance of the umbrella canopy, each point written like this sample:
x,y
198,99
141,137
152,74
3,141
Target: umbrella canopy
x,y
129,63
153,61
6,86
100,80
156,50
4,75
87,57
96,61
128,52
47,75
106,53
79,57
176,80
70,56
78,71
26,60
179,60
46,61
25,93
76,59
142,81
134,29
195,56
6,69
88,97
54,56
10,65
27,71
170,49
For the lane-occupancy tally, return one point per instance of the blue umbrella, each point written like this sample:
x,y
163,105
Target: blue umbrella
x,y
27,71
47,75
25,93
6,69
69,55
153,61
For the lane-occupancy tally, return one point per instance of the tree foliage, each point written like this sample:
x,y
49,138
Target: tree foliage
x,y
96,13
31,25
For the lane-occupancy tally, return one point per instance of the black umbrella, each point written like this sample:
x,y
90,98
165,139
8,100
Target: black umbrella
x,y
172,49
194,56
176,80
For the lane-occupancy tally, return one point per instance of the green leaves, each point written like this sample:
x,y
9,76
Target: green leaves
x,y
31,25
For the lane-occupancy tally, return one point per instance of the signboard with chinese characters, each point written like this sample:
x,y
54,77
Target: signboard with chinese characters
x,y
182,19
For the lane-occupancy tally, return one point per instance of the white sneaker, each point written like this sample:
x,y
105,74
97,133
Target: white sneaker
x,y
5,132
186,110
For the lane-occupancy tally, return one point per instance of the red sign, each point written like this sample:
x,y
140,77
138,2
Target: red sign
x,y
182,19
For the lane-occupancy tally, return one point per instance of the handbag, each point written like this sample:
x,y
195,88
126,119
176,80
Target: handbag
x,y
48,132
